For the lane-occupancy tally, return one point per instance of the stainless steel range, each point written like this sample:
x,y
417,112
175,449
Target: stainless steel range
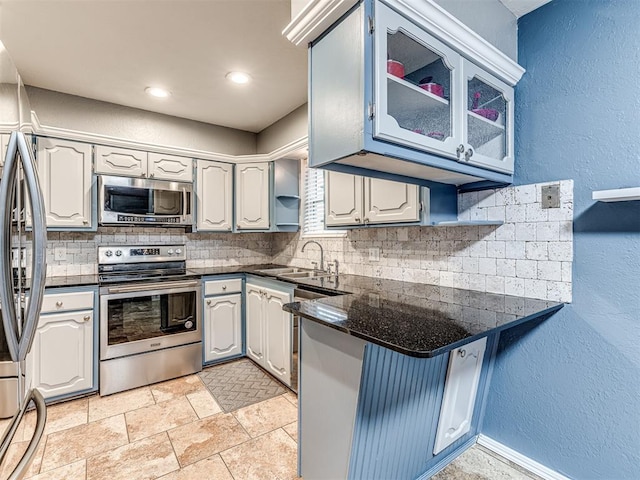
x,y
150,316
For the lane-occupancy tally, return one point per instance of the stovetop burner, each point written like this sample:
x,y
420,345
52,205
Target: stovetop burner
x,y
141,263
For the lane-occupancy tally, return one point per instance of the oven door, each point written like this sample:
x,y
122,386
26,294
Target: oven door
x,y
143,317
135,200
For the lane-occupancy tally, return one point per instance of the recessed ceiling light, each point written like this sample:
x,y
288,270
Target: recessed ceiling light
x,y
157,92
238,77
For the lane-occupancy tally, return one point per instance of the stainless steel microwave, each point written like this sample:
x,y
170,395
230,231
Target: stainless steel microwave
x,y
138,201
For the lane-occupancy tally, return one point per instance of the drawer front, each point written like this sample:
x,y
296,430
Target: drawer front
x,y
60,302
218,287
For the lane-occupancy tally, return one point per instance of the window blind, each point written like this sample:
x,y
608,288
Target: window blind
x,y
313,216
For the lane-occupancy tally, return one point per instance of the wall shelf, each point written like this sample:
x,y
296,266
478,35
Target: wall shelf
x,y
617,195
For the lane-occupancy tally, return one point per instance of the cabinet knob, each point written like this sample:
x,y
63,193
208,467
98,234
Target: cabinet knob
x,y
357,219
59,304
224,287
462,353
459,150
87,318
468,154
85,222
208,302
152,175
366,220
143,174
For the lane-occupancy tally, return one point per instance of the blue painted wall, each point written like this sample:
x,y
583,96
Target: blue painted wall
x,y
567,392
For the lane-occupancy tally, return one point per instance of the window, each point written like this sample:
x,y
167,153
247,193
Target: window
x,y
313,207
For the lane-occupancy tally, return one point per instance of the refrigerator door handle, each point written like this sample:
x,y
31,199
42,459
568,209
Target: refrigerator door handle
x,y
7,189
41,418
39,247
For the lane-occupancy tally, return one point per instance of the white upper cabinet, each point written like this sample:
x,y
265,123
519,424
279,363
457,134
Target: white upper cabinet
x,y
431,98
252,196
4,143
136,163
64,169
390,202
343,199
214,196
353,200
121,161
170,167
408,92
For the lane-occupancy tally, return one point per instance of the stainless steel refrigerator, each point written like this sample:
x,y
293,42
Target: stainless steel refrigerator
x,y
21,287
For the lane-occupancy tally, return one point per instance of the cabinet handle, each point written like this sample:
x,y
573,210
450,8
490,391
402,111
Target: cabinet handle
x,y
459,150
208,302
59,304
468,154
462,353
87,318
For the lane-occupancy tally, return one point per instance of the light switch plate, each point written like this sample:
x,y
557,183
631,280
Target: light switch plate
x,y
551,196
374,254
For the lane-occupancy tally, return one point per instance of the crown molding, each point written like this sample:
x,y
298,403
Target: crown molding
x,y
318,15
315,18
295,149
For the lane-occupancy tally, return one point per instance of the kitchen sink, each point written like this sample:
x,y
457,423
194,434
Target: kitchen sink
x,y
309,274
283,270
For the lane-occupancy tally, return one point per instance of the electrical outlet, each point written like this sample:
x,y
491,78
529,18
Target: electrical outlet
x,y
374,254
60,254
551,196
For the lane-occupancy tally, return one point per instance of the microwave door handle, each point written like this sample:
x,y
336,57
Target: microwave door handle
x,y
7,189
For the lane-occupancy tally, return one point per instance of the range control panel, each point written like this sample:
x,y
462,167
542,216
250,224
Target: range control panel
x,y
112,254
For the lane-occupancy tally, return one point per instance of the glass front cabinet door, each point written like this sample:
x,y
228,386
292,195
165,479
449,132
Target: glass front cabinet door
x,y
428,97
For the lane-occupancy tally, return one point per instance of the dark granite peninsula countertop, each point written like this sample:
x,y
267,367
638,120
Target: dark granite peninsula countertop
x,y
416,319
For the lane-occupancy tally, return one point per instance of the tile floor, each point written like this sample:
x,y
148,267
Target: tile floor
x,y
176,431
173,431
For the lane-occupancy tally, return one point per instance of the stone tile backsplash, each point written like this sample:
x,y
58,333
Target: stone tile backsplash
x,y
78,252
530,255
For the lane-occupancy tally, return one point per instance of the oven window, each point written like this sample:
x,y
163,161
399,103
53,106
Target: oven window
x,y
141,318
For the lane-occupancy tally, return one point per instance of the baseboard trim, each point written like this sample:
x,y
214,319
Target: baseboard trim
x,y
519,459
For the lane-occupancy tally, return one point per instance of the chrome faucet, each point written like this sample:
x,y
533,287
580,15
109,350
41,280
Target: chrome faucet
x,y
321,252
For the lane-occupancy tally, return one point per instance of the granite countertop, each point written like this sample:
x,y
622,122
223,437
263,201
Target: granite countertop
x,y
415,319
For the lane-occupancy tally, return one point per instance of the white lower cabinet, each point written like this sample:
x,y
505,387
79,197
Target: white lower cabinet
x,y
460,389
222,327
62,356
269,330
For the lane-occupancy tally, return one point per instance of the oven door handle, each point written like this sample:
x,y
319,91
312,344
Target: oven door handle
x,y
152,286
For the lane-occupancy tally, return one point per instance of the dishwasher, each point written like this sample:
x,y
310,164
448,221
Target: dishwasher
x,y
300,294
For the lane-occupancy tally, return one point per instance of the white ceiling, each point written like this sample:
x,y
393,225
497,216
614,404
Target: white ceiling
x,y
111,50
